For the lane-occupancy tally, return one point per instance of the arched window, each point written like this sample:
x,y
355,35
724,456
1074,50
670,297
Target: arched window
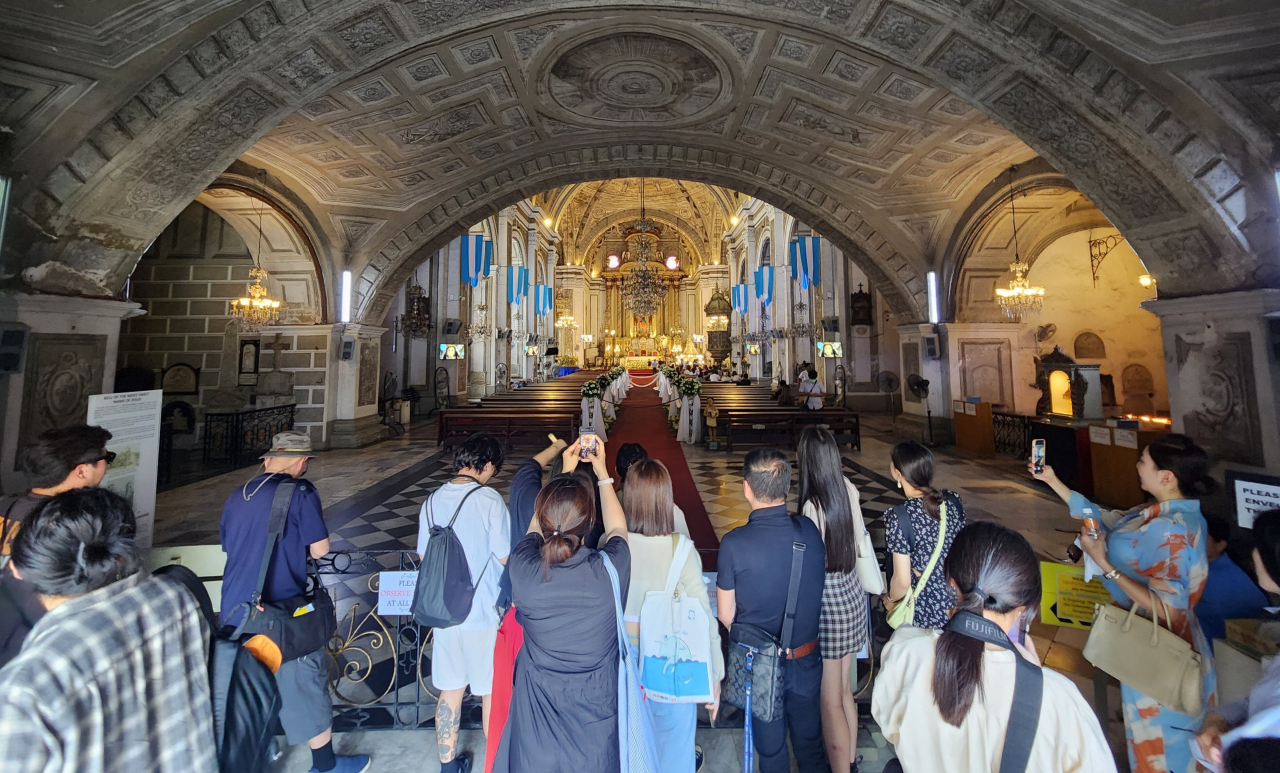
x,y
765,258
1089,346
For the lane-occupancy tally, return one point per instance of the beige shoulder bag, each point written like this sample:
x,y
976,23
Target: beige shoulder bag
x,y
904,612
1162,665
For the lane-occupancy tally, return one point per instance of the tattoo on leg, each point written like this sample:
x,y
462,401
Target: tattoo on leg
x,y
447,723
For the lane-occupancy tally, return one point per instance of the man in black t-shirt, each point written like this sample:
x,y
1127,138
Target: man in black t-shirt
x,y
59,460
753,571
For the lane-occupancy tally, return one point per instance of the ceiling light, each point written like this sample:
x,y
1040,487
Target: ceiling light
x,y
547,222
673,262
1020,298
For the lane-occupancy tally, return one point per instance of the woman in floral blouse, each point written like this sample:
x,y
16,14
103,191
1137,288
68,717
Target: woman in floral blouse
x,y
1155,548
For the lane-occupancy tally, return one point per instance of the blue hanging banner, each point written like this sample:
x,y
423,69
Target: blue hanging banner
x,y
477,256
815,260
541,300
513,282
806,260
522,290
795,258
488,256
764,284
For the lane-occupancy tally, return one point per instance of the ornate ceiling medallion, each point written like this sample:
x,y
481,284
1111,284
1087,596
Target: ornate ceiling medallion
x,y
636,77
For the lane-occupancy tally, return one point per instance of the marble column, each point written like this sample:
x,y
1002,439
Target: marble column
x,y
1223,371
72,342
936,371
479,350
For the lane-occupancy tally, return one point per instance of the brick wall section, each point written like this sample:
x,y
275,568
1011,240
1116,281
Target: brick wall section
x,y
306,355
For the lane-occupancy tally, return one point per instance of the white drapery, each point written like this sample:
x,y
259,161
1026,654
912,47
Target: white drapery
x,y
690,429
593,417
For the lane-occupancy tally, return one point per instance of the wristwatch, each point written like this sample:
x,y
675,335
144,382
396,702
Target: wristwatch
x,y
603,481
1111,575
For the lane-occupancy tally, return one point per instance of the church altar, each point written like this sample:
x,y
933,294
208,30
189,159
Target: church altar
x,y
638,363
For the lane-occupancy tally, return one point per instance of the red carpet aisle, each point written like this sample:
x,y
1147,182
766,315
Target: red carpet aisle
x,y
641,420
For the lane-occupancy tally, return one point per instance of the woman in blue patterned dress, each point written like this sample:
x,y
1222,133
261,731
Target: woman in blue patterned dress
x,y
1155,548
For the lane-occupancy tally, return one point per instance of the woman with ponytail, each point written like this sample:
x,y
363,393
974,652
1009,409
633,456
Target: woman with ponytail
x,y
564,704
1155,552
912,529
944,699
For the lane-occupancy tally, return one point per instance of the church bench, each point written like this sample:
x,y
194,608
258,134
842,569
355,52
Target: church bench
x,y
528,425
784,425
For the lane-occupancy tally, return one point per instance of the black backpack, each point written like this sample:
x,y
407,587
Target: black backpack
x,y
246,698
443,596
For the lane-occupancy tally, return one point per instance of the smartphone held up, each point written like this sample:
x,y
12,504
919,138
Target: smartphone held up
x,y
587,442
1037,455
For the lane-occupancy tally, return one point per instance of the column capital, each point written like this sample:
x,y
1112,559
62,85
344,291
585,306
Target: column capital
x,y
1242,303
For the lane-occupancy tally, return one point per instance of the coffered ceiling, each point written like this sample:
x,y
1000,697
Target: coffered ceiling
x,y
904,148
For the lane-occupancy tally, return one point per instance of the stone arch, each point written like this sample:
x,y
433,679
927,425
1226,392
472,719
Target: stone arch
x,y
680,224
901,285
1160,174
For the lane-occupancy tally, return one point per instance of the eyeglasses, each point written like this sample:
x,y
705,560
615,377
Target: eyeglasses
x,y
107,456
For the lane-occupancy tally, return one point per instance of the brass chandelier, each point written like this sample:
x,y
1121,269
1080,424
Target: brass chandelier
x,y
643,290
257,307
1020,298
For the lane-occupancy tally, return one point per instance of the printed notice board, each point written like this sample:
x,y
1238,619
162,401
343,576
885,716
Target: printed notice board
x,y
133,419
1066,599
395,592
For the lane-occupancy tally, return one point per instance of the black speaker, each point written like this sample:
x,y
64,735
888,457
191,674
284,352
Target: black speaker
x,y
831,324
348,349
452,326
552,350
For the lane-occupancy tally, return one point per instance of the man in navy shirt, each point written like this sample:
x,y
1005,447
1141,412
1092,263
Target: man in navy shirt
x,y
752,574
306,709
1228,592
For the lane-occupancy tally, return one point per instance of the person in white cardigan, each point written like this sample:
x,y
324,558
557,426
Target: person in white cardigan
x,y
944,699
651,535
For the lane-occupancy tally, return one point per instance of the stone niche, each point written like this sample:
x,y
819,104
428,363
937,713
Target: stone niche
x,y
1067,388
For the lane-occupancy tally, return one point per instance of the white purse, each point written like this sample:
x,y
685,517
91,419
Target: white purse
x,y
868,567
1162,666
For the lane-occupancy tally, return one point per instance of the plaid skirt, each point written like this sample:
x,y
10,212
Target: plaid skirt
x,y
842,629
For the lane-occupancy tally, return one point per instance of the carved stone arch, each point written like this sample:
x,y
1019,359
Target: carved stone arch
x,y
93,197
297,217
901,285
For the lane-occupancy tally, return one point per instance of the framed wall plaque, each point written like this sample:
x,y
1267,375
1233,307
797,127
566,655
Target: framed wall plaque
x,y
249,351
180,379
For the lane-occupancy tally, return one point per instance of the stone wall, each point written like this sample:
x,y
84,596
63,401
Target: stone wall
x,y
184,283
304,354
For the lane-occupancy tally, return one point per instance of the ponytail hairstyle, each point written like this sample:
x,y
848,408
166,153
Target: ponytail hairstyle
x,y
994,569
916,463
822,482
78,542
566,510
1187,461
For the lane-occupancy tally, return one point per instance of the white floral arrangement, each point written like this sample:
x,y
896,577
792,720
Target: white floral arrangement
x,y
689,387
592,389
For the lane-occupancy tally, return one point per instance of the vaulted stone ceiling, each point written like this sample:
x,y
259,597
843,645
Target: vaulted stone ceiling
x,y
586,215
1163,113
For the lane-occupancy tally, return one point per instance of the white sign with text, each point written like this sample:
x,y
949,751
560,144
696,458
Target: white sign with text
x,y
1253,498
395,592
133,419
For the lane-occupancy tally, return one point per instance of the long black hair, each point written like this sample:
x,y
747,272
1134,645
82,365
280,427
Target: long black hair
x,y
1188,462
996,569
822,482
916,463
77,542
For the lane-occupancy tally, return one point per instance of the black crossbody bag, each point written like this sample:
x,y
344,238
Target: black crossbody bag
x,y
298,625
1028,690
754,674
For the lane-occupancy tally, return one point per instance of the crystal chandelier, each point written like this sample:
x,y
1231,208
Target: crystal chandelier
x,y
416,320
257,308
1020,298
678,330
566,322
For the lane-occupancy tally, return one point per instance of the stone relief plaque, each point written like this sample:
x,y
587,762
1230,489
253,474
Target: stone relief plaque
x,y
62,371
369,351
180,379
986,371
1224,419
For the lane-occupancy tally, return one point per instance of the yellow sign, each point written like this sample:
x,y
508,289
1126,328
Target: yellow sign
x,y
1068,600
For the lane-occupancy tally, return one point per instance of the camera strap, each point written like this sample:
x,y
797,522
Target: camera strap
x,y
1028,690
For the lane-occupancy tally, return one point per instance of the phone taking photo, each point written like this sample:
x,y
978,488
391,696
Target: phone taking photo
x,y
1037,455
587,440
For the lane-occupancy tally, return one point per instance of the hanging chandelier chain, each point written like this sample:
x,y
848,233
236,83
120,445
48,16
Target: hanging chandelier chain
x,y
1020,298
257,307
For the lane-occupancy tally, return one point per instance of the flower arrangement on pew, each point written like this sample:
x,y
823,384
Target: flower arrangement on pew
x,y
592,389
689,387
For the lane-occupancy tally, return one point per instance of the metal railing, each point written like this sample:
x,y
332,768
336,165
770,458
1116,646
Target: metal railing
x,y
237,438
379,666
1012,433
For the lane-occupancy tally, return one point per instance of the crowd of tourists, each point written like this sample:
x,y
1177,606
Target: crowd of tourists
x,y
577,611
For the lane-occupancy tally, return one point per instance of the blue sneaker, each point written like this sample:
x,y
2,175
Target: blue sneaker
x,y
358,763
698,759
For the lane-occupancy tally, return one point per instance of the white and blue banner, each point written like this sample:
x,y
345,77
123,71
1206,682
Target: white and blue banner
x,y
740,298
543,300
806,260
517,284
764,284
477,258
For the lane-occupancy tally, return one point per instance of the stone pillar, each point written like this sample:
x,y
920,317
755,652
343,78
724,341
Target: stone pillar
x,y
70,354
1220,354
355,383
479,353
994,361
915,360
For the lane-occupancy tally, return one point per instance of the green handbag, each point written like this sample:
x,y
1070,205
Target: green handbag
x,y
905,611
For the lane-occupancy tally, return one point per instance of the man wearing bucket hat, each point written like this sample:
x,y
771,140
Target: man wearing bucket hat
x,y
306,711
